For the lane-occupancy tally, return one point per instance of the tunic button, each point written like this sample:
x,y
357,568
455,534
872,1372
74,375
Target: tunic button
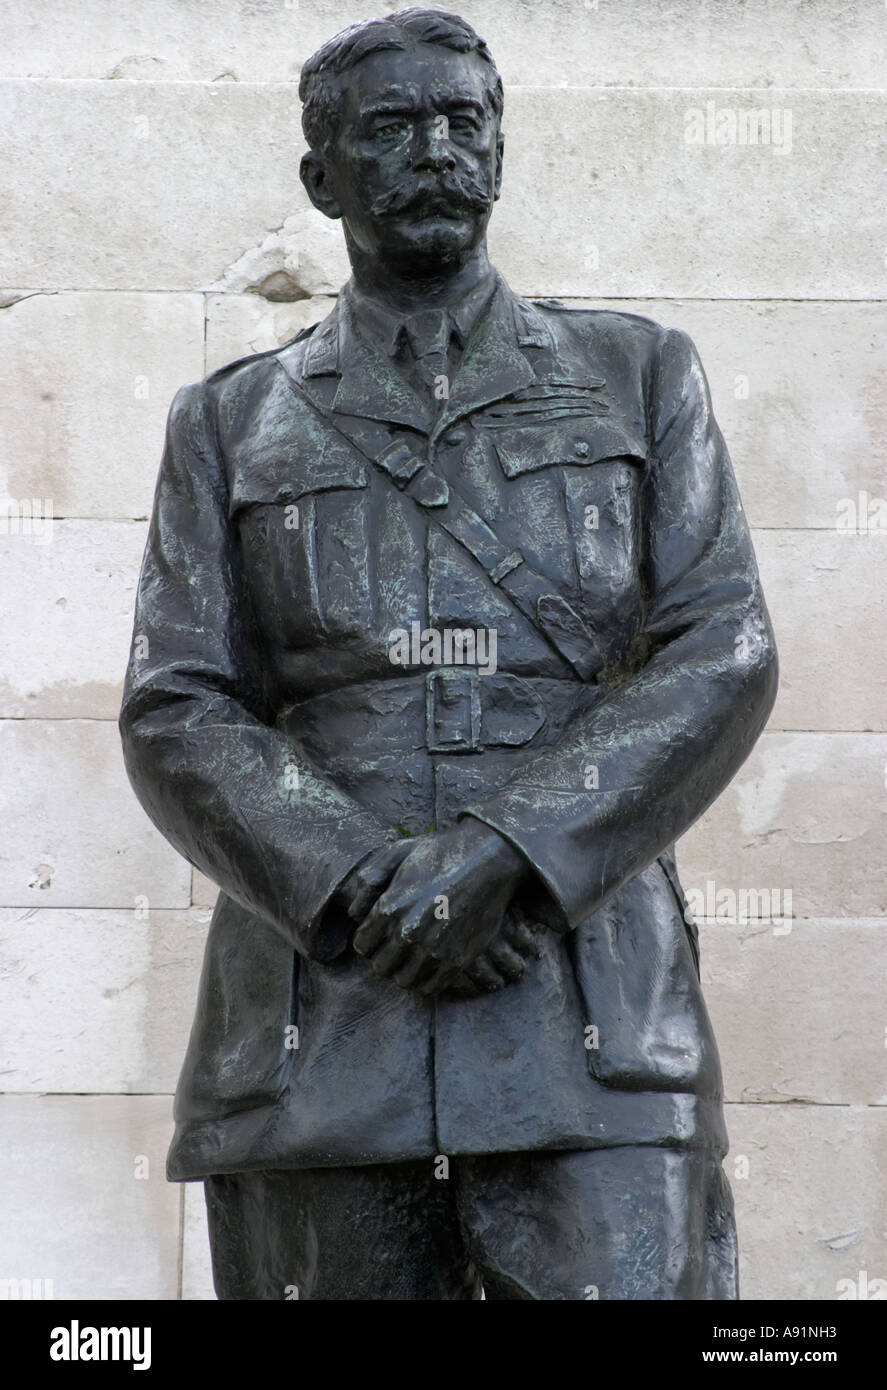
x,y
454,437
582,448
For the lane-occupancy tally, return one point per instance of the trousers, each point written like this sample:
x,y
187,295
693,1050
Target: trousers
x,y
621,1223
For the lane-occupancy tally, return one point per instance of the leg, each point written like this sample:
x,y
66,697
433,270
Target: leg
x,y
379,1232
624,1223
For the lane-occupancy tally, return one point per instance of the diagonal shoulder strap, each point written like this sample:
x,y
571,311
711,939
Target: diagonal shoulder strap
x,y
532,594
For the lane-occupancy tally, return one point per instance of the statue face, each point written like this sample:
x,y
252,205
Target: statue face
x,y
416,165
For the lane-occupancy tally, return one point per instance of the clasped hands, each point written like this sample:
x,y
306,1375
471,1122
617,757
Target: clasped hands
x,y
432,911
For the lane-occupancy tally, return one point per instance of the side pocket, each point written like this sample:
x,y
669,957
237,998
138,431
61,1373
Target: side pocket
x,y
240,1054
636,973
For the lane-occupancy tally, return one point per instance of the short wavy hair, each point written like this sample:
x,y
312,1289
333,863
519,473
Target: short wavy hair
x,y
321,93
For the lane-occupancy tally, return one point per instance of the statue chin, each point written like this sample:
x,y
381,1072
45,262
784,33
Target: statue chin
x,y
432,242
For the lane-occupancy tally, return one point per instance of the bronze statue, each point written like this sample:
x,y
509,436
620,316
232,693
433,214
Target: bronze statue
x,y
449,625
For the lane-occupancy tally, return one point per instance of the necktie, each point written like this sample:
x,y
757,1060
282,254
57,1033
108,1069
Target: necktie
x,y
428,334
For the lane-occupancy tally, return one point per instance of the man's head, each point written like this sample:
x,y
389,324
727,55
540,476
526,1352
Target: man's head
x,y
402,116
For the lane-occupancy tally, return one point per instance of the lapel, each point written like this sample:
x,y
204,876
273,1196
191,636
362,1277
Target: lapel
x,y
369,384
493,364
511,348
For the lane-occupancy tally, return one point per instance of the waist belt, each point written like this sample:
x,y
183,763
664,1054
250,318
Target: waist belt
x,y
445,710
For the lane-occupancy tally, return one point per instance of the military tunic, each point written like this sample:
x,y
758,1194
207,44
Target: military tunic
x,y
274,742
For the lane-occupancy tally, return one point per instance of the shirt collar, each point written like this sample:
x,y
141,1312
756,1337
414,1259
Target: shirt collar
x,y
387,325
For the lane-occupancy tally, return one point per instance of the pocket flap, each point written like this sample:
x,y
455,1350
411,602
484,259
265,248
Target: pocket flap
x,y
564,439
282,471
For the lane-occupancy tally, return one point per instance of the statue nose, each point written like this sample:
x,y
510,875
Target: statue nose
x,y
432,151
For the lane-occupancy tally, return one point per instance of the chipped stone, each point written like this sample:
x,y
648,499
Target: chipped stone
x,y
305,256
239,324
137,67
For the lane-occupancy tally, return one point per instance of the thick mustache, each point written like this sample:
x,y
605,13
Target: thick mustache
x,y
458,191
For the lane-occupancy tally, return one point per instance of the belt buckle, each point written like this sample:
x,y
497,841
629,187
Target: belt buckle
x,y
452,711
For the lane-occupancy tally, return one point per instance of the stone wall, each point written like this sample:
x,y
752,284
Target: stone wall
x,y
154,228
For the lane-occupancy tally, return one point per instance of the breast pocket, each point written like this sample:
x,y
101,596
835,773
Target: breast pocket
x,y
305,543
602,507
600,465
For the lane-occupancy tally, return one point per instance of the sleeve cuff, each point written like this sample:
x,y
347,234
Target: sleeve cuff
x,y
329,933
539,897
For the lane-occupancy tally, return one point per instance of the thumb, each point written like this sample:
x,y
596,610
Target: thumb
x,y
373,876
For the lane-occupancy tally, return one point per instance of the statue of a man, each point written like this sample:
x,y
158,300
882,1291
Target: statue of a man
x,y
448,626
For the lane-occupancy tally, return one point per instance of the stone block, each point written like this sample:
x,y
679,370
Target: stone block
x,y
162,185
86,380
58,661
812,1210
86,1201
559,43
203,891
795,388
805,815
828,616
799,1015
97,1001
240,324
74,833
197,1275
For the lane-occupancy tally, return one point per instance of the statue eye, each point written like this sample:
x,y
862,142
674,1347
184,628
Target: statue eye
x,y
464,123
391,129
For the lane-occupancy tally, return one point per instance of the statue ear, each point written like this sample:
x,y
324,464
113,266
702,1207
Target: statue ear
x,y
500,144
314,174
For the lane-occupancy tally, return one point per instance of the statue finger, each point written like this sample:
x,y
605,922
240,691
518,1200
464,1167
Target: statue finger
x,y
368,891
510,964
521,937
374,877
372,933
464,987
483,973
419,967
391,957
441,978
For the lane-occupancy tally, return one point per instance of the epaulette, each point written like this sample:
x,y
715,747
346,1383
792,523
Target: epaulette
x,y
268,352
600,309
303,333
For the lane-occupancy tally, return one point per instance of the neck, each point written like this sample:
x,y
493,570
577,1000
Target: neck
x,y
408,295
